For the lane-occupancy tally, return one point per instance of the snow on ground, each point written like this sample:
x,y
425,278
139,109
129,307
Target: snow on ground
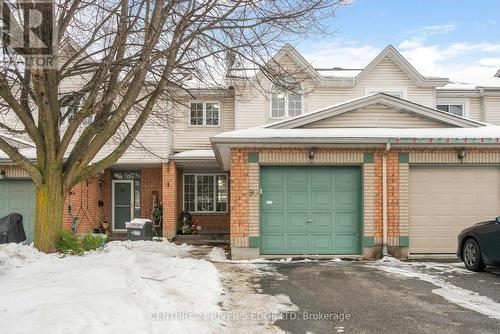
x,y
129,287
435,274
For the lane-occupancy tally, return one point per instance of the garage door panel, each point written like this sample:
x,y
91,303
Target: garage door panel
x,y
444,201
346,200
320,244
297,200
346,244
321,222
321,179
19,196
274,243
273,200
297,222
321,199
297,243
296,179
309,216
274,222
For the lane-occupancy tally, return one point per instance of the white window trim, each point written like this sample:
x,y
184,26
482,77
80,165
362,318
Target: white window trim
x,y
448,101
204,125
401,89
196,192
287,113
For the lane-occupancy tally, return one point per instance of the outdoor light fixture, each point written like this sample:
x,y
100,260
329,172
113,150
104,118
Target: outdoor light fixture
x,y
461,155
312,153
2,174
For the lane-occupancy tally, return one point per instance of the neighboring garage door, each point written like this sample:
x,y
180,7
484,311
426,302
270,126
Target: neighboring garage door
x,y
19,196
310,210
444,201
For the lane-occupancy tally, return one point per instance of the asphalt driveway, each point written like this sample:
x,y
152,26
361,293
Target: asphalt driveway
x,y
393,297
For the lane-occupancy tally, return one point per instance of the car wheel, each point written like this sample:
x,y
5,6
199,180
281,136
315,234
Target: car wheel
x,y
472,256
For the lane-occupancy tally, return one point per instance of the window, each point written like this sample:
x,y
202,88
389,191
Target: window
x,y
204,113
400,92
205,192
286,103
455,109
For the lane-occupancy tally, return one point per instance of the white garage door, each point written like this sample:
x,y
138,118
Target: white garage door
x,y
444,201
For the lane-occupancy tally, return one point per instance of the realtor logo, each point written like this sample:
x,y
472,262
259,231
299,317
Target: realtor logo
x,y
28,33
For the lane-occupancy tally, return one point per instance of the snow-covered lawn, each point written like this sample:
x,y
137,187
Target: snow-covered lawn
x,y
129,287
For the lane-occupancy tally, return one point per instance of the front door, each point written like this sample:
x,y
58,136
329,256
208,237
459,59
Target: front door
x,y
123,203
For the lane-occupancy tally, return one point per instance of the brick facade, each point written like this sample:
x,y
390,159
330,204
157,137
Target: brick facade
x,y
170,182
244,217
151,189
84,200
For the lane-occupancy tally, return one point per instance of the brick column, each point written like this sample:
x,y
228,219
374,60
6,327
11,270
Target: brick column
x,y
169,199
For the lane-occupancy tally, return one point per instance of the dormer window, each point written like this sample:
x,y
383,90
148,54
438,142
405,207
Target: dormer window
x,y
455,109
286,102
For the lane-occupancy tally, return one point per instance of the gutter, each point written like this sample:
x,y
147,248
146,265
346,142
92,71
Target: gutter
x,y
384,198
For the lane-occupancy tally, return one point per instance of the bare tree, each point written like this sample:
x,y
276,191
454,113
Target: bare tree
x,y
129,55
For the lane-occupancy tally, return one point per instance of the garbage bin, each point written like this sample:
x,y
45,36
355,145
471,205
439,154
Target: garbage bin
x,y
139,229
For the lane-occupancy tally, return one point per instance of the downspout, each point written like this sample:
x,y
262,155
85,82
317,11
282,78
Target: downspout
x,y
384,198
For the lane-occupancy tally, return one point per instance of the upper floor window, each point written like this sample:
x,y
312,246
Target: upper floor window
x,y
286,103
204,113
455,109
399,92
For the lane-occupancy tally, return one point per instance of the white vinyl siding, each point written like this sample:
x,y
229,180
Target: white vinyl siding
x,y
375,116
254,106
492,109
187,137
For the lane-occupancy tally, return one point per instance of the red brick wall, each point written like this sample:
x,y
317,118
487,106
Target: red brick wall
x,y
84,199
239,190
151,181
393,194
169,196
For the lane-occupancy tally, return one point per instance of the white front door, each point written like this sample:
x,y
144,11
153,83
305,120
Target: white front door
x,y
122,203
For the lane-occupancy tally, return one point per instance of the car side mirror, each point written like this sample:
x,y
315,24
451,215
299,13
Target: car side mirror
x,y
497,219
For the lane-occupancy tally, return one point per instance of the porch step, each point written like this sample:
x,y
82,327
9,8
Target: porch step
x,y
117,236
203,239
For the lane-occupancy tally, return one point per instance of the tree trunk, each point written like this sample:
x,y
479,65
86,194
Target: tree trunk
x,y
49,211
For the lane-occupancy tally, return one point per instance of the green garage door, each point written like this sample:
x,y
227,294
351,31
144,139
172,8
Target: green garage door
x,y
310,210
19,196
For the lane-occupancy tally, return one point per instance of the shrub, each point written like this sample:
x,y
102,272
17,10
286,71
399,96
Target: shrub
x,y
91,241
74,244
68,243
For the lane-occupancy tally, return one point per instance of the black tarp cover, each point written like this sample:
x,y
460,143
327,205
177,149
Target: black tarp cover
x,y
11,229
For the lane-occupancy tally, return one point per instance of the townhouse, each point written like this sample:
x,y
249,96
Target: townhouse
x,y
357,162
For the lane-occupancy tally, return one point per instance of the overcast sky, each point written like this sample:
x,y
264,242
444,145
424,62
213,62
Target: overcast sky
x,y
458,39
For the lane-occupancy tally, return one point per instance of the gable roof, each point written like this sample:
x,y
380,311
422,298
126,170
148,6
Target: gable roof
x,y
390,101
396,57
298,59
498,74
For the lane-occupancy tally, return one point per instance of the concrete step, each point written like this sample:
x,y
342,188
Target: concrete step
x,y
203,239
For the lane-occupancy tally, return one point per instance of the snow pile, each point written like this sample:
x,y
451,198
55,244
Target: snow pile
x,y
217,254
465,298
130,287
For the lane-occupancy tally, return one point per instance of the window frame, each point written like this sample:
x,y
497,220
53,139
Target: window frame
x,y
388,90
287,94
465,109
204,116
196,192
